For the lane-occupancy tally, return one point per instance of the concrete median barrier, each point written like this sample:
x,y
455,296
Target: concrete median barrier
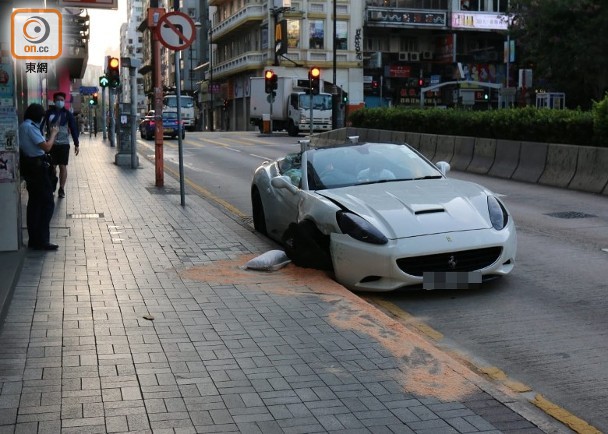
x,y
371,136
532,160
560,166
463,152
506,159
483,156
445,149
385,136
399,137
591,173
428,145
413,139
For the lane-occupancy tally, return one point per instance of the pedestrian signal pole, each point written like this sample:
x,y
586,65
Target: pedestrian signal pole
x,y
270,83
314,75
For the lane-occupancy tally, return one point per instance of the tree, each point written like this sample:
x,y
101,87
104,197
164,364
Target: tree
x,y
565,42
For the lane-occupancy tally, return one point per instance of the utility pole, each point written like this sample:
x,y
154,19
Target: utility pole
x,y
211,75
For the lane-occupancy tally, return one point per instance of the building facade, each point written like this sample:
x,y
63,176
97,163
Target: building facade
x,y
383,53
131,45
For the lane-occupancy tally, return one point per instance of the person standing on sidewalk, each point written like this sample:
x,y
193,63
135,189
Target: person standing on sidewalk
x,y
60,153
35,169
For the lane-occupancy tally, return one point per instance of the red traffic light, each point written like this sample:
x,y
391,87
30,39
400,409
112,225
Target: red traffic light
x,y
268,74
421,82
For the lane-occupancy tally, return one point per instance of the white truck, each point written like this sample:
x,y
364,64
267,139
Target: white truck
x,y
187,108
290,107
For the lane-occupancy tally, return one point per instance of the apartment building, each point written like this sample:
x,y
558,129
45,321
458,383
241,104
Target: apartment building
x,y
383,52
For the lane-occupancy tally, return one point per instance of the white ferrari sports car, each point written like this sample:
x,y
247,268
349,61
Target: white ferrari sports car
x,y
382,217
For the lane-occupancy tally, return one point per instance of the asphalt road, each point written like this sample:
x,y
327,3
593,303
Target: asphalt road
x,y
545,325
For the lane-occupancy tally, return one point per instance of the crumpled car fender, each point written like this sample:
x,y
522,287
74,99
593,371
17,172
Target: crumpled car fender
x,y
320,210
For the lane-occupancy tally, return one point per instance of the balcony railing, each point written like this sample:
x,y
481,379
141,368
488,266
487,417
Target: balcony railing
x,y
248,13
251,60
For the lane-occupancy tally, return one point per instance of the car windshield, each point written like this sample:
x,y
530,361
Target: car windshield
x,y
185,101
319,102
365,164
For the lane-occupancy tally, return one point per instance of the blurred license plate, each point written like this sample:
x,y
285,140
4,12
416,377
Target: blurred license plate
x,y
169,130
451,280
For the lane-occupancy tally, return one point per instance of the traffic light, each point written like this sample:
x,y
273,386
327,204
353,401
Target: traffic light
x,y
93,99
274,81
375,87
421,82
268,77
314,75
103,81
113,72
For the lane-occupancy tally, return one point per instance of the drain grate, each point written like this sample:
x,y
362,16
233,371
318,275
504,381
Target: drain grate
x,y
247,221
93,215
162,190
569,215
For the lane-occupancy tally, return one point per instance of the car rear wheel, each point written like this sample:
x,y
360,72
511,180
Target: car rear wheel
x,y
259,218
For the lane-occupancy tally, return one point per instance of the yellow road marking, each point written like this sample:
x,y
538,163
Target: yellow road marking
x,y
564,416
206,193
402,315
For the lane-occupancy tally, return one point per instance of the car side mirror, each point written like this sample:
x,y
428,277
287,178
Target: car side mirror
x,y
444,167
283,182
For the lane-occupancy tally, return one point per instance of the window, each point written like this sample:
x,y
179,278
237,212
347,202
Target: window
x,y
342,35
317,34
293,33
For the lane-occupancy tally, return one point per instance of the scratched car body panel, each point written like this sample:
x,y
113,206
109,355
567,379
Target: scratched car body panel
x,y
385,216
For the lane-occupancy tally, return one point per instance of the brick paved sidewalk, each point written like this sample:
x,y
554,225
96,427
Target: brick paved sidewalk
x,y
144,321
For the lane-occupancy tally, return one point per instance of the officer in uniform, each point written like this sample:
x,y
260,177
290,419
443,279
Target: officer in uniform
x,y
35,169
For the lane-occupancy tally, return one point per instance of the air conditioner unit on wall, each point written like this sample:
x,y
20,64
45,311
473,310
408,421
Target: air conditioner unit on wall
x,y
414,56
404,56
427,55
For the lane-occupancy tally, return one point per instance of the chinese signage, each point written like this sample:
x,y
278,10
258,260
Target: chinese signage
x,y
392,15
90,4
479,21
399,71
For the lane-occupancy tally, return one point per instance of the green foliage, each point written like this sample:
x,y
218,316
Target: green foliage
x,y
600,121
575,127
565,43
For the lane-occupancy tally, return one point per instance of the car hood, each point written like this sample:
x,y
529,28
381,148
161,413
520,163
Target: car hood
x,y
403,209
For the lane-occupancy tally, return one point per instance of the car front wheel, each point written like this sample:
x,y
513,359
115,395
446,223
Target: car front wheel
x,y
259,219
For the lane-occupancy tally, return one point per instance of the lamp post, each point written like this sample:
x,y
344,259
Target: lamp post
x,y
211,75
197,25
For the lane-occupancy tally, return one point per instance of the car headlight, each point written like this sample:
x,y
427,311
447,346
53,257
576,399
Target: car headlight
x,y
498,213
359,228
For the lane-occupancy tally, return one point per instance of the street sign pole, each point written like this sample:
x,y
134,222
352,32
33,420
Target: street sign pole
x,y
180,145
175,30
103,113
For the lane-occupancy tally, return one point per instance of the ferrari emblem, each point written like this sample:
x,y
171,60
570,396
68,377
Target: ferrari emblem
x,y
452,262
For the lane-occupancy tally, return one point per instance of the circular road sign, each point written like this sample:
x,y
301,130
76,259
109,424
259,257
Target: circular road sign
x,y
175,30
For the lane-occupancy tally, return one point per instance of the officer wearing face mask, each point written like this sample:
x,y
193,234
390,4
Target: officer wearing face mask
x,y
60,153
33,149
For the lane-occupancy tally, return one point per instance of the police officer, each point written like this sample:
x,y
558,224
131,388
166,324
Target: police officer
x,y
35,169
